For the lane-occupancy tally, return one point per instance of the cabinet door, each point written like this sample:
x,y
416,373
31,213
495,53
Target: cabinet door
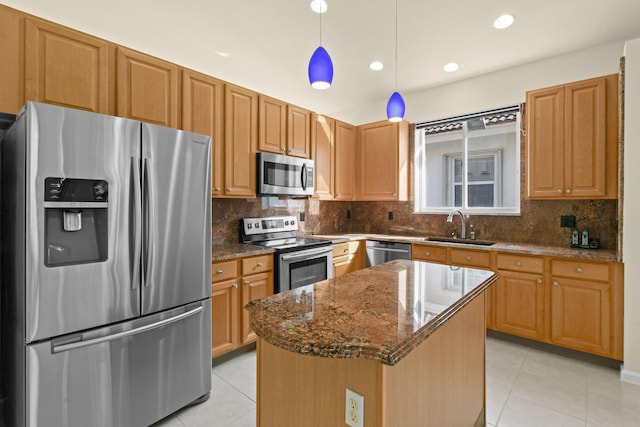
x,y
323,154
545,144
240,129
224,317
429,253
202,113
272,125
147,88
586,138
345,161
253,287
298,132
519,304
379,161
66,67
581,315
11,66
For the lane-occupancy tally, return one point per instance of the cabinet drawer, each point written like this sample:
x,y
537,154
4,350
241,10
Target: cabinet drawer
x,y
429,253
528,264
257,264
224,270
580,270
471,258
345,248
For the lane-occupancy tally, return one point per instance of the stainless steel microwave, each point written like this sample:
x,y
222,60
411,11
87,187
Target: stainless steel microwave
x,y
280,175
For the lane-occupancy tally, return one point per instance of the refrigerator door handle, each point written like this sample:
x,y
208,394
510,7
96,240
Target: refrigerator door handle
x,y
136,207
119,335
149,221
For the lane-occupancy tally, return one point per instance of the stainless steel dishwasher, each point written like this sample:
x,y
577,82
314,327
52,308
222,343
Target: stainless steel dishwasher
x,y
381,251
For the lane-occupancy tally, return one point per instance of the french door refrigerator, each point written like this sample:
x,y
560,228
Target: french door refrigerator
x,y
106,269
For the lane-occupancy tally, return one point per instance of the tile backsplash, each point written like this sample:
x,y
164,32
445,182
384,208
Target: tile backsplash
x,y
538,223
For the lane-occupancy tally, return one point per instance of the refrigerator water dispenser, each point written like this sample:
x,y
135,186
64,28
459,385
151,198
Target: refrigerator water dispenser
x,y
76,213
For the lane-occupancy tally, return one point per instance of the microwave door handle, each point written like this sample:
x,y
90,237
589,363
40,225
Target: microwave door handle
x,y
135,207
119,335
305,254
304,176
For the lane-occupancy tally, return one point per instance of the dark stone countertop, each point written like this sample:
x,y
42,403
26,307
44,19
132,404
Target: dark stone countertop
x,y
379,313
229,251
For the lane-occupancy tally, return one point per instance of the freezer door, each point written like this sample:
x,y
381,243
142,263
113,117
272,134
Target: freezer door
x,y
176,262
126,375
62,298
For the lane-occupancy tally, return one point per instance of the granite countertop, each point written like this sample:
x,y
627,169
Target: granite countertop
x,y
228,251
521,248
378,313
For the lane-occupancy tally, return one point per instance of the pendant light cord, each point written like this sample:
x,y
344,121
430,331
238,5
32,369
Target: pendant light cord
x,y
396,45
320,13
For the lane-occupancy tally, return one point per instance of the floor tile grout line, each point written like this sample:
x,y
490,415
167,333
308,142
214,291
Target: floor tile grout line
x,y
234,387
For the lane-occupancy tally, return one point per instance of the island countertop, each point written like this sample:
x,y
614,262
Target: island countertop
x,y
379,313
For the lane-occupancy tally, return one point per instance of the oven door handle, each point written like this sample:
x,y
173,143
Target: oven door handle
x,y
306,253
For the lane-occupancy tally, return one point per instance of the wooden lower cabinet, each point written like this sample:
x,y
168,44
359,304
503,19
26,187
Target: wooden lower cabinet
x,y
348,257
519,299
234,284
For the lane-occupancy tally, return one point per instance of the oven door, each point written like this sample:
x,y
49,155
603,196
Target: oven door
x,y
303,267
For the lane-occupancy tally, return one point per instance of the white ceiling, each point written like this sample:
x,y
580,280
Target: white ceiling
x,y
270,42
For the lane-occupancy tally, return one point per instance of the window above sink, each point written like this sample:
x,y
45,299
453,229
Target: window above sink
x,y
469,162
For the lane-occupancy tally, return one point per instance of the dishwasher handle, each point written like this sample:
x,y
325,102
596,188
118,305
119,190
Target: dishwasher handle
x,y
404,251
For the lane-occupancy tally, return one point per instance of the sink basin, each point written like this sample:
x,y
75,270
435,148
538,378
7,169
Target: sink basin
x,y
463,241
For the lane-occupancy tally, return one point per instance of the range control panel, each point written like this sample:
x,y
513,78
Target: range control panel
x,y
270,224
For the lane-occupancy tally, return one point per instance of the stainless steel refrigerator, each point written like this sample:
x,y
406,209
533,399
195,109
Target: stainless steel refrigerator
x,y
106,269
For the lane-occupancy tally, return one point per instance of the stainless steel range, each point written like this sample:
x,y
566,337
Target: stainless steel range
x,y
299,261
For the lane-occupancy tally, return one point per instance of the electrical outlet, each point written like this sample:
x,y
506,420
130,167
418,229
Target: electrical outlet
x,y
301,216
390,214
354,409
348,213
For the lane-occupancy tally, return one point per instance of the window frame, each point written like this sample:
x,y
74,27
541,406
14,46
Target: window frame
x,y
421,178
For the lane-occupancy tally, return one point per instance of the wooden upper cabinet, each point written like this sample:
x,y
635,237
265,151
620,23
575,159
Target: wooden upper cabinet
x,y
66,67
324,155
241,137
272,125
572,145
147,88
11,66
298,132
384,167
202,112
346,154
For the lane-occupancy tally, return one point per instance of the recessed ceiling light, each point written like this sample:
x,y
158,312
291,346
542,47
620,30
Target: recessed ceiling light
x,y
503,21
451,67
319,6
223,54
376,65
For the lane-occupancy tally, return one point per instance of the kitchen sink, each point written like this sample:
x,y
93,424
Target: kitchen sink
x,y
463,241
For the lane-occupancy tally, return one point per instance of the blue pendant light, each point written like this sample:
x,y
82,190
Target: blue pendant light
x,y
320,69
395,105
320,65
395,108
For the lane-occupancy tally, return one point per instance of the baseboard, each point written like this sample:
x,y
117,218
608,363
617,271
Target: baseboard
x,y
629,376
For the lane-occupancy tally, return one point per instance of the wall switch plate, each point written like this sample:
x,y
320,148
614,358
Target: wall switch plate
x,y
568,221
348,213
354,409
390,214
301,216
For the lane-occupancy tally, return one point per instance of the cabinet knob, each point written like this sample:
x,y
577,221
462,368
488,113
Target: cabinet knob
x,y
228,190
218,271
559,190
468,257
539,280
427,253
346,250
217,188
568,191
260,264
518,263
246,282
579,270
282,149
555,283
234,286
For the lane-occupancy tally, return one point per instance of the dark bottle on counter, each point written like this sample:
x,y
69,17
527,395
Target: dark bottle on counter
x,y
584,243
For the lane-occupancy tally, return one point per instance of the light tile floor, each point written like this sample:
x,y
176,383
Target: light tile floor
x,y
528,384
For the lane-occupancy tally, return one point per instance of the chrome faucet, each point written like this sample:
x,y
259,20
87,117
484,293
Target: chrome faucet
x,y
464,227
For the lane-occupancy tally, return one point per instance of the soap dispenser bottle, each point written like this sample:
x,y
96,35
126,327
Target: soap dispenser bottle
x,y
584,243
472,233
575,238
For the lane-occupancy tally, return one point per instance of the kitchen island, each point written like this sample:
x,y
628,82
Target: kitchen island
x,y
408,336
